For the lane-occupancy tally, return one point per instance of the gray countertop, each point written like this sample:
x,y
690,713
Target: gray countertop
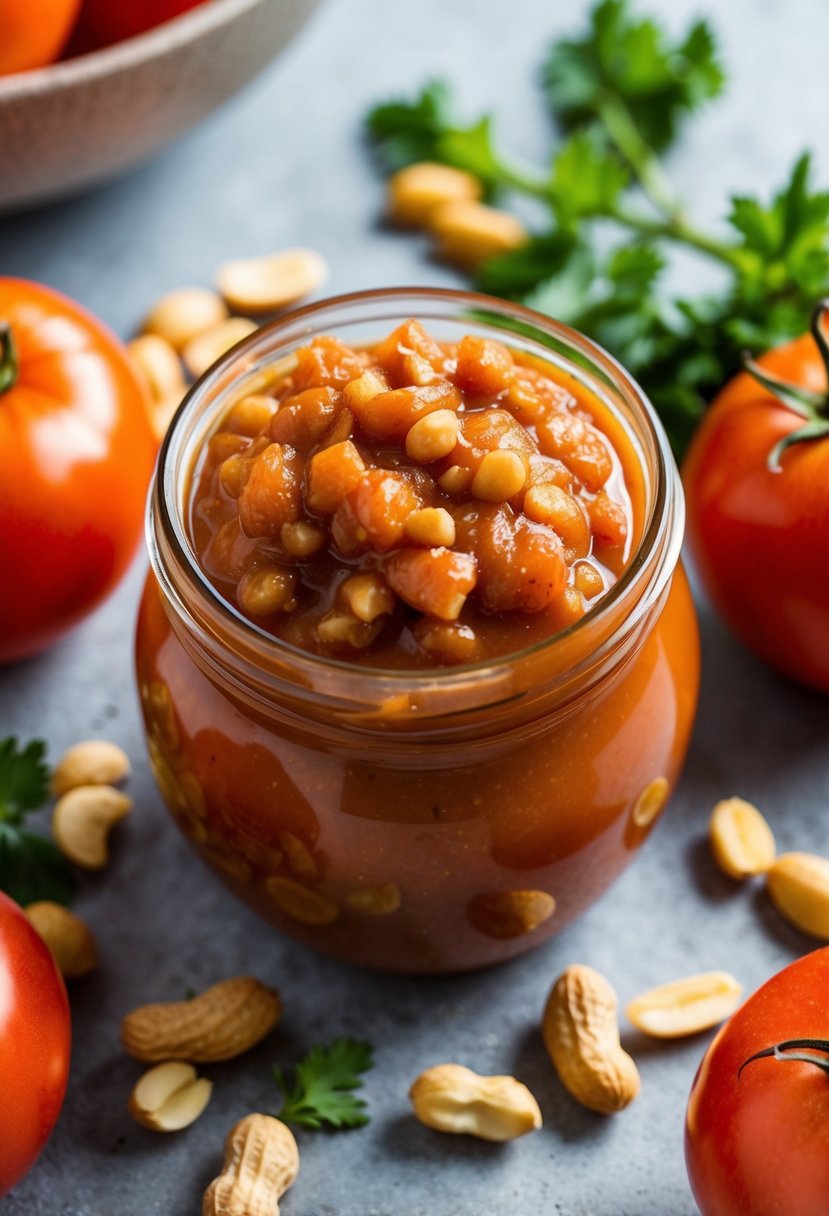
x,y
284,165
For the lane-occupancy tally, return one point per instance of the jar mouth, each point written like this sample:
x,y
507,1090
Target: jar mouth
x,y
210,396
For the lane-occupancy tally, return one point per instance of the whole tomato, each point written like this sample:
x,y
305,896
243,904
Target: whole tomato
x,y
757,1127
33,32
35,1038
757,491
76,455
106,21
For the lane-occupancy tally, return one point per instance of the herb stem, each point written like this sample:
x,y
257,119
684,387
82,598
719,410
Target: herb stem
x,y
671,227
680,232
641,158
524,181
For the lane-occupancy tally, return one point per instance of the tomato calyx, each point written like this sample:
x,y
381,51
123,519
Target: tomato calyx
x,y
805,1051
8,359
811,406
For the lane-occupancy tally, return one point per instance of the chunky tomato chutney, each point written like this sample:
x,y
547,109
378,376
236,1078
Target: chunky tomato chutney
x,y
417,661
416,503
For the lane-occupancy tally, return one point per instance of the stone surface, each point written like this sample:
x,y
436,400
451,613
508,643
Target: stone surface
x,y
284,165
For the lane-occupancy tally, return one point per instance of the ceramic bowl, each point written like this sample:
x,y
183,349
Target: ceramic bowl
x,y
76,123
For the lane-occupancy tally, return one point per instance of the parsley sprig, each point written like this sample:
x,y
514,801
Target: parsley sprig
x,y
31,867
620,96
321,1093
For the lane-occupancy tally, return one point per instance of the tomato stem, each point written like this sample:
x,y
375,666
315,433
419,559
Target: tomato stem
x,y
8,359
812,406
801,1050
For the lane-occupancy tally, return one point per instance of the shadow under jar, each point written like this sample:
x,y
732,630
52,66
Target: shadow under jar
x,y
422,819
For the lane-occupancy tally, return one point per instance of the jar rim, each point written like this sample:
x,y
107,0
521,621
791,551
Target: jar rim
x,y
666,510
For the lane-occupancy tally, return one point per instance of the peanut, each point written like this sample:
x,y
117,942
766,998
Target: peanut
x,y
471,232
451,1098
685,1006
501,475
581,1035
433,437
251,415
415,192
301,860
798,884
159,364
302,538
94,762
367,596
220,1024
202,351
262,285
182,314
67,936
651,802
379,900
82,820
505,914
162,412
741,841
305,904
169,1097
431,526
261,1163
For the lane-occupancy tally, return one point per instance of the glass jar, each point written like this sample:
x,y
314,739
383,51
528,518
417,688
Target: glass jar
x,y
420,821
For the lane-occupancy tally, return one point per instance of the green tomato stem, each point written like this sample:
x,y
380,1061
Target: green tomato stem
x,y
802,1051
811,406
9,367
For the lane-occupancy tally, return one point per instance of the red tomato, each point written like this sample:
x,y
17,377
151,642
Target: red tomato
x,y
757,1133
33,32
759,535
76,456
35,1037
107,21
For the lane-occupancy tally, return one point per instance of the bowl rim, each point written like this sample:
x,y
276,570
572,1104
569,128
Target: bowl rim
x,y
163,39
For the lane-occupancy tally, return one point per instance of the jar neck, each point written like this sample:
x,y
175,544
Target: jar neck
x,y
505,694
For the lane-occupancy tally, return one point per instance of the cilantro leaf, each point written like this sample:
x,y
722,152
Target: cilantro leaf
x,y
587,180
788,240
322,1091
632,60
31,867
24,778
621,92
405,132
515,275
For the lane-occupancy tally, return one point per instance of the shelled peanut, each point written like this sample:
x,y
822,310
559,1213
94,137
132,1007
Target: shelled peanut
x,y
169,1097
89,805
797,883
454,1099
446,202
187,329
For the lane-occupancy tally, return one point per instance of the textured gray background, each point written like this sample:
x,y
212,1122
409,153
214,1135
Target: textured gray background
x,y
283,165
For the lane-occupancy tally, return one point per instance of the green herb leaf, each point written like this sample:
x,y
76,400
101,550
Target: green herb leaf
x,y
787,242
631,59
517,274
24,778
405,132
622,91
321,1094
31,867
587,180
